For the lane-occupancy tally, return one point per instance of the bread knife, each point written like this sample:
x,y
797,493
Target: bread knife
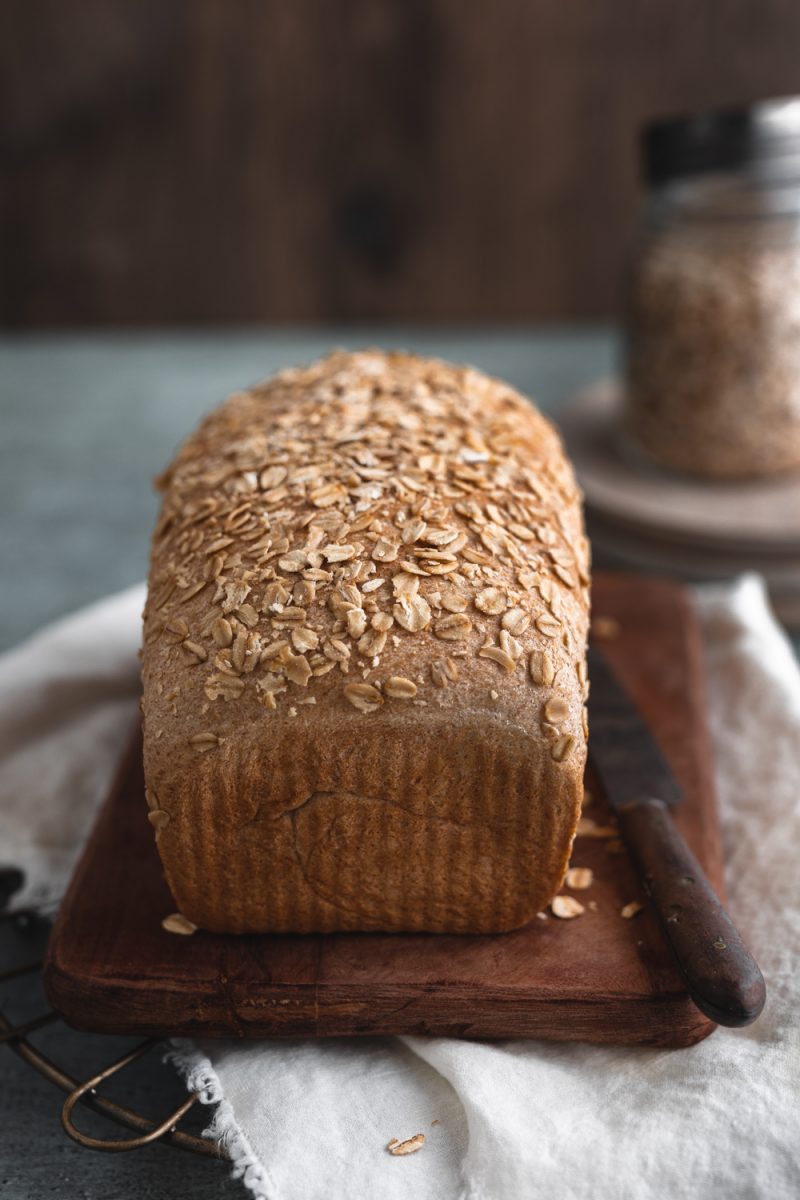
x,y
721,975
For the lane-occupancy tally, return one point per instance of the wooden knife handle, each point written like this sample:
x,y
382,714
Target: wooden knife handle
x,y
721,974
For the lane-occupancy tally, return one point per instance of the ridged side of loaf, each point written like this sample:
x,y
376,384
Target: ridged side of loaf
x,y
364,658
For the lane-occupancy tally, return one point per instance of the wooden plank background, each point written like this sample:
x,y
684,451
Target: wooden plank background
x,y
168,161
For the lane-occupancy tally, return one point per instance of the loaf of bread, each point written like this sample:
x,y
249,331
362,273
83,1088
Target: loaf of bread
x,y
364,655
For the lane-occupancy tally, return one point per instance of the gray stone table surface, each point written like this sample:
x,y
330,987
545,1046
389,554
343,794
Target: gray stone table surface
x,y
85,423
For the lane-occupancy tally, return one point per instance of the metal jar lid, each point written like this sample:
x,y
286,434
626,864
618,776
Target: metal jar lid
x,y
762,139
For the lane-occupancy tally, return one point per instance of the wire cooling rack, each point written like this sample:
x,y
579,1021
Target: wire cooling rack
x,y
16,1038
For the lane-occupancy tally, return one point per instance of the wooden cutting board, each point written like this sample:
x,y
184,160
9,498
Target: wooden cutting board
x,y
598,978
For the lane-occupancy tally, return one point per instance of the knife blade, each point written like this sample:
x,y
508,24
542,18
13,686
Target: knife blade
x,y
720,973
621,743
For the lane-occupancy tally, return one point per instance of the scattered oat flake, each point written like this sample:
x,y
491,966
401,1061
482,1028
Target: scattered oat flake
x,y
510,644
339,553
562,747
631,910
400,688
566,907
556,709
444,672
516,620
491,600
549,625
178,923
453,628
248,616
221,632
204,741
409,1146
195,649
363,696
384,550
541,668
272,477
496,654
356,621
412,612
579,878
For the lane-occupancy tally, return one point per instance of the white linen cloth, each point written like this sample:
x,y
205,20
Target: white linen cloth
x,y
307,1120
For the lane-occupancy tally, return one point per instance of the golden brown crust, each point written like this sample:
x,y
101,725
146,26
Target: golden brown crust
x,y
364,662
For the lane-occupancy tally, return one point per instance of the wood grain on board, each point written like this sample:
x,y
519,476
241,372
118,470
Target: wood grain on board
x,y
598,978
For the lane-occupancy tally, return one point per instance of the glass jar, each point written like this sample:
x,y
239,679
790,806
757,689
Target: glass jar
x,y
712,343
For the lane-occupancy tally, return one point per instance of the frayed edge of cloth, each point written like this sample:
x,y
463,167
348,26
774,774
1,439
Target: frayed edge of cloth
x,y
202,1080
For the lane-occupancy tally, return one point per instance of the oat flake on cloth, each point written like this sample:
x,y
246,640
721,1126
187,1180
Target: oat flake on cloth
x,y
310,1120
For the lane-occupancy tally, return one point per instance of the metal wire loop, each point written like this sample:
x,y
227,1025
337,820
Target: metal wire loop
x,y
109,1144
13,1037
18,1031
16,972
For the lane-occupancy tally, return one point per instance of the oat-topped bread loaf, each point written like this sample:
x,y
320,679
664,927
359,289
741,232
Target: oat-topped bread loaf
x,y
364,659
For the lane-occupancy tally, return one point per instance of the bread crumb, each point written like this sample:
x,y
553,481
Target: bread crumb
x,y
630,910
